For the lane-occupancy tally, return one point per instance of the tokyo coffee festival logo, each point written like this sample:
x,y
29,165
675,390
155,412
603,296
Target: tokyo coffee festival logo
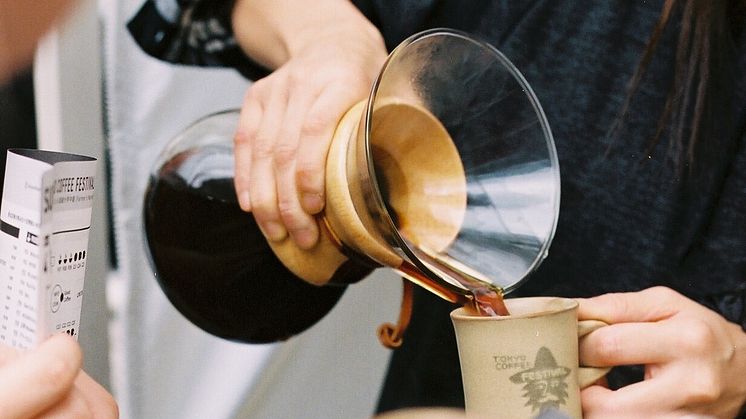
x,y
544,384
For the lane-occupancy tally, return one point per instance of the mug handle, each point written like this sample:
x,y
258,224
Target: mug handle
x,y
589,375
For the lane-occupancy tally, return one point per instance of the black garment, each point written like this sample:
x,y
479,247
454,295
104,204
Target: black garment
x,y
628,219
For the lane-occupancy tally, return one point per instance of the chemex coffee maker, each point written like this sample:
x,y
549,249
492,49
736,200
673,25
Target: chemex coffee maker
x,y
447,174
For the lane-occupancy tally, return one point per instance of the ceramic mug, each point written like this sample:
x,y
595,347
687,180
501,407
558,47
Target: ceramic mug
x,y
524,365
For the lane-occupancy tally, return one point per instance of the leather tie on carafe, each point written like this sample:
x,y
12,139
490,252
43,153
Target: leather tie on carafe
x,y
390,335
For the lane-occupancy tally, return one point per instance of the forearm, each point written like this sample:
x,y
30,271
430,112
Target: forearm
x,y
271,32
193,32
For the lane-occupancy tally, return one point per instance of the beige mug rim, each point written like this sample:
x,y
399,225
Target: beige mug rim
x,y
569,304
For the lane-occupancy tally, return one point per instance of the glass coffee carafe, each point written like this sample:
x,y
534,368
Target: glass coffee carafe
x,y
446,173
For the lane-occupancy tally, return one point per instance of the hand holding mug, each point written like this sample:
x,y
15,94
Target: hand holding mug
x,y
695,360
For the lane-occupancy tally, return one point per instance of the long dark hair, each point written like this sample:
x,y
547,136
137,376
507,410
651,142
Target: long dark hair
x,y
700,90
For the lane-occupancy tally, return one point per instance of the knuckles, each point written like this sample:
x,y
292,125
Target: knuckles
x,y
315,126
258,89
307,176
284,153
696,337
243,136
608,347
665,295
263,147
263,208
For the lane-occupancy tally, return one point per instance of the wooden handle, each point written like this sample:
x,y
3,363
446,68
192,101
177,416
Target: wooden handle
x,y
317,265
419,172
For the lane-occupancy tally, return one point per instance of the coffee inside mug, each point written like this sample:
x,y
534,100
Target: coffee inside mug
x,y
522,308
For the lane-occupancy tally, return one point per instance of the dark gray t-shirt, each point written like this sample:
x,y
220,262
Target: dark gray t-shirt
x,y
628,219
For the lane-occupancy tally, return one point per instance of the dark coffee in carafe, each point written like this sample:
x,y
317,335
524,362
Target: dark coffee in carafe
x,y
217,269
447,173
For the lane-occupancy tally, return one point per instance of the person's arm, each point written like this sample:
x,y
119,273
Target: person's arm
x,y
695,359
191,32
312,60
273,32
325,55
48,382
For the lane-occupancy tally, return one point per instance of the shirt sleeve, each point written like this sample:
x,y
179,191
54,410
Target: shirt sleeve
x,y
730,229
191,32
731,305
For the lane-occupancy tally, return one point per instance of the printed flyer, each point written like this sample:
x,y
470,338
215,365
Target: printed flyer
x,y
45,220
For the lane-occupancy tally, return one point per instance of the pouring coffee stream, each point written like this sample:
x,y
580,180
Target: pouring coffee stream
x,y
446,174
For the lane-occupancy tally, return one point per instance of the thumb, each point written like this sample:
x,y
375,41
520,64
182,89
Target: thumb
x,y
40,378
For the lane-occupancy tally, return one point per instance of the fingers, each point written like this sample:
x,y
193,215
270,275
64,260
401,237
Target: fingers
x,y
301,225
651,304
262,184
281,146
87,399
645,398
74,405
266,149
49,370
318,131
99,402
650,343
248,126
286,126
628,344
687,353
7,355
650,398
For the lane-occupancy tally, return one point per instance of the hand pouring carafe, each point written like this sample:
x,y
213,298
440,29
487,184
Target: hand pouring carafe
x,y
447,173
